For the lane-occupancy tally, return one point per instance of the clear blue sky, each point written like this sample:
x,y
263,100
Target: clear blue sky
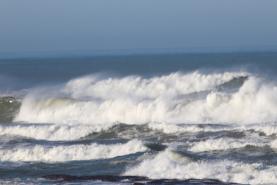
x,y
91,26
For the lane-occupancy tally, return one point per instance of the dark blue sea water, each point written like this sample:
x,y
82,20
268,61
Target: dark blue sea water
x,y
145,119
51,70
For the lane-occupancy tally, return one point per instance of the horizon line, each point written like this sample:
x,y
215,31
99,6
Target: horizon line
x,y
121,52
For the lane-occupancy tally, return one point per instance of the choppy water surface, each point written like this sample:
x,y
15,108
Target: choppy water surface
x,y
196,125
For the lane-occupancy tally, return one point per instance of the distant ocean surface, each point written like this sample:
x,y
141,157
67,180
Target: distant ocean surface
x,y
139,119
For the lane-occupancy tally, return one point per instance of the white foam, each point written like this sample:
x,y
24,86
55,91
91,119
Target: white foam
x,y
170,165
49,132
266,128
225,144
138,87
180,128
71,152
273,144
136,100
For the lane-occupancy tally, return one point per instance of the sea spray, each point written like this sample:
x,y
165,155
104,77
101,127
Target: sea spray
x,y
174,98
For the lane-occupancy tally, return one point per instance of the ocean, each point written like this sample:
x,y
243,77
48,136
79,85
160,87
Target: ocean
x,y
139,119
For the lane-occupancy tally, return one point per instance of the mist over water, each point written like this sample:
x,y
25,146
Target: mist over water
x,y
140,118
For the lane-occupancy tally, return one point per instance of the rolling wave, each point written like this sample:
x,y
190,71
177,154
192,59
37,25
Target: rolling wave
x,y
51,132
92,151
169,164
219,125
174,98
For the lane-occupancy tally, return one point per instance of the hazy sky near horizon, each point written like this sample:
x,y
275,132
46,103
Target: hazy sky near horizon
x,y
62,26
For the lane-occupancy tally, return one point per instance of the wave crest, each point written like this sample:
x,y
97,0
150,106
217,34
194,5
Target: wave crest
x,y
169,164
69,153
175,98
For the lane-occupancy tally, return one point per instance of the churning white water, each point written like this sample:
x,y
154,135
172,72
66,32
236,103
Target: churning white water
x,y
173,98
205,125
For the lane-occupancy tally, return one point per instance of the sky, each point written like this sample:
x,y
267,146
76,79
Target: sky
x,y
97,26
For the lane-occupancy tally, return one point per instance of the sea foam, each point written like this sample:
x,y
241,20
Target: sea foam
x,y
51,132
64,153
168,164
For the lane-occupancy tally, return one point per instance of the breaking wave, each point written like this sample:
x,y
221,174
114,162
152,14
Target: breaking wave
x,y
175,98
225,144
169,164
51,132
219,125
43,153
9,106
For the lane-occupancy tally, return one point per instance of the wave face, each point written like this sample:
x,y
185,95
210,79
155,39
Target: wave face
x,y
9,106
168,128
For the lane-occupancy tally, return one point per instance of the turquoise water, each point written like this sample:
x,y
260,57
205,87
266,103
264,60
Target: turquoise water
x,y
152,119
